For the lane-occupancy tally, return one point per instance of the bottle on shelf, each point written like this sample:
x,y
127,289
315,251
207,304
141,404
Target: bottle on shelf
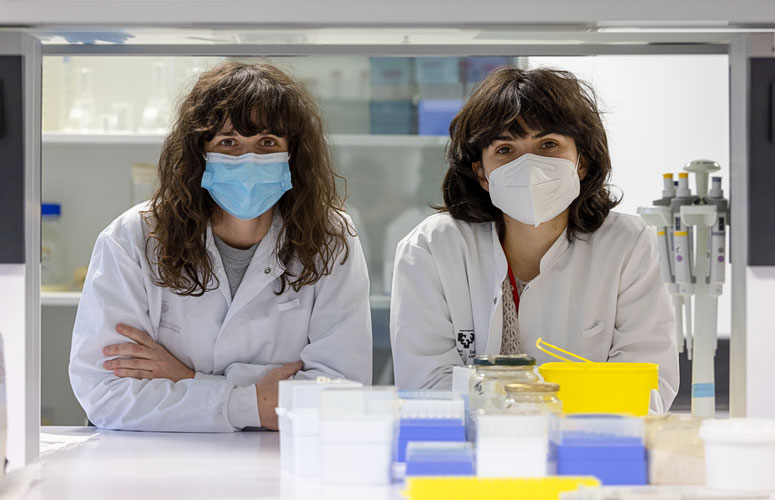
x,y
51,249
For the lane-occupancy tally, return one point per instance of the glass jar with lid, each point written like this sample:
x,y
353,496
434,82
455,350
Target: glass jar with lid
x,y
538,397
493,373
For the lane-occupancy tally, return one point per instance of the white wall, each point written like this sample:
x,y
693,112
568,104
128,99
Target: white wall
x,y
660,112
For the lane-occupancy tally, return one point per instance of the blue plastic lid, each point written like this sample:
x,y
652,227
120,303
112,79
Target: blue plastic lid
x,y
50,209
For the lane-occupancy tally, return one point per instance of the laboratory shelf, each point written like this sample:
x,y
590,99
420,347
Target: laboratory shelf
x,y
71,299
62,299
341,140
100,139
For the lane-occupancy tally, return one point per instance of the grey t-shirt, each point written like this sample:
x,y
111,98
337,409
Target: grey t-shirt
x,y
235,262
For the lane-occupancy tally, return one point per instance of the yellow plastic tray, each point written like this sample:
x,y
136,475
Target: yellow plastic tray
x,y
474,488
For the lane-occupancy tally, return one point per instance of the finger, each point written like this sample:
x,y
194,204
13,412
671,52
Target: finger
x,y
129,364
139,374
138,336
127,349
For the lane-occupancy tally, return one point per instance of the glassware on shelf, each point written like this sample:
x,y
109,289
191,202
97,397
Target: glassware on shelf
x,y
51,249
119,120
156,113
143,182
82,116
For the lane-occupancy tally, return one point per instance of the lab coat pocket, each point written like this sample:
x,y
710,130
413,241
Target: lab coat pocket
x,y
593,330
287,306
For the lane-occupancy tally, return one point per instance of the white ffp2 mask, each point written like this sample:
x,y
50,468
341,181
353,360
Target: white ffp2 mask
x,y
534,189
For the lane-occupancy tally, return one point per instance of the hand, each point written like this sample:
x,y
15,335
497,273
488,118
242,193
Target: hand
x,y
266,390
144,360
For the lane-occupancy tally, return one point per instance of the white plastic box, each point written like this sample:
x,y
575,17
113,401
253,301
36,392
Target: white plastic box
x,y
358,430
740,454
298,412
513,446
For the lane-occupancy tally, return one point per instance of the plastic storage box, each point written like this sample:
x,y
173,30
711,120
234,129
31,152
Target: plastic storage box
x,y
609,447
675,451
513,446
439,459
358,435
298,415
468,488
430,420
740,454
618,388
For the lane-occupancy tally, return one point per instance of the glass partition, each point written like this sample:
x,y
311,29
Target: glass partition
x,y
104,119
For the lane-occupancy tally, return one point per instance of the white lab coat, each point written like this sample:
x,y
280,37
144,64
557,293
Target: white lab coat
x,y
600,297
230,344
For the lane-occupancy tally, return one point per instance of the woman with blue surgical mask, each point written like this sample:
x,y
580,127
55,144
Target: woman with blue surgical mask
x,y
241,271
527,245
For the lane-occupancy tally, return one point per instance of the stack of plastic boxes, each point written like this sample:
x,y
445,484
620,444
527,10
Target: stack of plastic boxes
x,y
513,446
358,435
298,412
390,108
430,420
609,447
440,93
434,419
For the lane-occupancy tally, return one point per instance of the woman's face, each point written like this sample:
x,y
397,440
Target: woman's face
x,y
507,148
229,141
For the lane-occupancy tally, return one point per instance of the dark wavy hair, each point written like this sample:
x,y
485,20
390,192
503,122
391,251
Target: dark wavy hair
x,y
254,98
545,100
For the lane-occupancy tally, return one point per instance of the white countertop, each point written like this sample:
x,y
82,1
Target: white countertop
x,y
152,465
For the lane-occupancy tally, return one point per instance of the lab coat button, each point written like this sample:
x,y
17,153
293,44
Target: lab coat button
x,y
495,300
267,270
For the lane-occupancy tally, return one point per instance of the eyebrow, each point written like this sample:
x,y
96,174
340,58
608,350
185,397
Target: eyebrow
x,y
232,133
537,135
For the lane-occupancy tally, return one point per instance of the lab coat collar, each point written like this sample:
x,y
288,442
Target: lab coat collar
x,y
555,252
265,255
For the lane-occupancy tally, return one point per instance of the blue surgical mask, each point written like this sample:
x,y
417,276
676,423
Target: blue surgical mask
x,y
246,186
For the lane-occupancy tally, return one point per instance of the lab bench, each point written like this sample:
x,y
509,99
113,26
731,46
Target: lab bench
x,y
160,465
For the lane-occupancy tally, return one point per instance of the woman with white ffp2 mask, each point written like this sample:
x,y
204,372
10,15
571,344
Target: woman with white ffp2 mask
x,y
526,244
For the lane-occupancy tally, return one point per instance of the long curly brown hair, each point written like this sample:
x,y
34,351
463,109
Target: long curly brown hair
x,y
254,98
546,100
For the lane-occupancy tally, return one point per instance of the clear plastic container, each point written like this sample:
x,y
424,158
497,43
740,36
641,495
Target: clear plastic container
x,y
52,256
538,397
676,452
488,384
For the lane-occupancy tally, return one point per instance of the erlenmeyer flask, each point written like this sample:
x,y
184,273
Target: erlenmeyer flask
x,y
82,117
156,114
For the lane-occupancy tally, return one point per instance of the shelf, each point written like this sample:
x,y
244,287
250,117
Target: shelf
x,y
369,140
61,299
347,140
71,299
105,138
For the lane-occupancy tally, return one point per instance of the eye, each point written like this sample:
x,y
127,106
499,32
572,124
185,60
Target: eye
x,y
268,142
548,144
227,143
502,150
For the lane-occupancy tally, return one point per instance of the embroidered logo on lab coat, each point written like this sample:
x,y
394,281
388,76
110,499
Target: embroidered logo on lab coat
x,y
466,345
